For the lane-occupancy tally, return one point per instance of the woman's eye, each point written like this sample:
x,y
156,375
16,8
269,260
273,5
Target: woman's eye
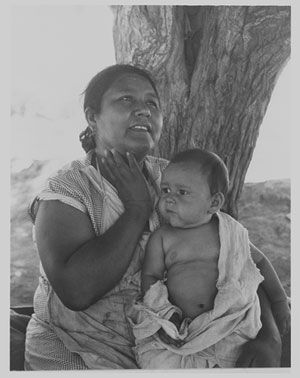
x,y
153,103
165,190
126,98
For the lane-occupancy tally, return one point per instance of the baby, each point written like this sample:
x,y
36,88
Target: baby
x,y
186,250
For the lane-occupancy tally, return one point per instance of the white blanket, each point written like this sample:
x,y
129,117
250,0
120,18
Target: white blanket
x,y
215,337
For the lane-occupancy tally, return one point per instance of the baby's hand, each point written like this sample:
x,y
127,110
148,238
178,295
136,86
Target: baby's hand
x,y
282,315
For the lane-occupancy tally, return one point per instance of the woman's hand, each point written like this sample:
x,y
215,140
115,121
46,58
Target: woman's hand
x,y
265,349
282,315
260,352
128,179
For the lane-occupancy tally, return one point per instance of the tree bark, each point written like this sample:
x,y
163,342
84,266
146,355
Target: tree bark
x,y
216,68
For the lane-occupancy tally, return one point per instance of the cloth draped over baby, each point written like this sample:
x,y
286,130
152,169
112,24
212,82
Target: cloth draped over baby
x,y
214,338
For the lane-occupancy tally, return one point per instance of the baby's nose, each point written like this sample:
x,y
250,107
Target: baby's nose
x,y
170,199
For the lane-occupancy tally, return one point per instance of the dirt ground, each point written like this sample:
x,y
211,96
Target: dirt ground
x,y
264,208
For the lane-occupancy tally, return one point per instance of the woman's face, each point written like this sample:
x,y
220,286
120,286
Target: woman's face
x,y
130,118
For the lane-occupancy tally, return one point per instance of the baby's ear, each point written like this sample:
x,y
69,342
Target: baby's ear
x,y
217,201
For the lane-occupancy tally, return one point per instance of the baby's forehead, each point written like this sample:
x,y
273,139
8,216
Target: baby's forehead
x,y
185,172
191,167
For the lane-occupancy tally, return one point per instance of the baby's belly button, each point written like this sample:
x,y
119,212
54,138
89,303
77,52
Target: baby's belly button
x,y
192,309
192,302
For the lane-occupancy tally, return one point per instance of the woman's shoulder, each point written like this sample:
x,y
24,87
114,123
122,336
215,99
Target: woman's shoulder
x,y
73,171
69,184
76,165
71,180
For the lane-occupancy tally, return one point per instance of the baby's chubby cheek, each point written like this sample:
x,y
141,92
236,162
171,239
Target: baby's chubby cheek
x,y
164,214
161,207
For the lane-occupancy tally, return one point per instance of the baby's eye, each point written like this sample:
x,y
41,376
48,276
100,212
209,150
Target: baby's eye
x,y
183,192
165,190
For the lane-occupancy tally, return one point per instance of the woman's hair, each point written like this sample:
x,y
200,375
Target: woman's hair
x,y
210,164
103,80
100,84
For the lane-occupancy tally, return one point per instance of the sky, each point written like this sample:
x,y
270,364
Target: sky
x,y
55,50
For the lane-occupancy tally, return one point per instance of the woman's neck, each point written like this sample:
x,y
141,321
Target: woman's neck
x,y
97,163
101,154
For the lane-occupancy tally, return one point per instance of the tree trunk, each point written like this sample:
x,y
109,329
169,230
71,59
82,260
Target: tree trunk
x,y
216,68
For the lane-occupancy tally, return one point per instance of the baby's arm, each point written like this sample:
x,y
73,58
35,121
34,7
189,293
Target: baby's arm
x,y
274,290
154,262
153,270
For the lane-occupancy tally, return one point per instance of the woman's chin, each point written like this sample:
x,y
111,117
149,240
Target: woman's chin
x,y
140,152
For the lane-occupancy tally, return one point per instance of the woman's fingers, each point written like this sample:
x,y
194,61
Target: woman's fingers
x,y
118,158
133,165
114,164
106,167
110,159
116,161
127,178
121,169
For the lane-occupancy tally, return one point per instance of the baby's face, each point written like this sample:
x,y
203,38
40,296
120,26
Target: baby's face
x,y
185,196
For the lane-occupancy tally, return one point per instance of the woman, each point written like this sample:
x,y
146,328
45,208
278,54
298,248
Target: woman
x,y
91,224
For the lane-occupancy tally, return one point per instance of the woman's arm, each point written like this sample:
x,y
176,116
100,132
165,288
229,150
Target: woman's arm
x,y
81,266
274,290
271,283
265,349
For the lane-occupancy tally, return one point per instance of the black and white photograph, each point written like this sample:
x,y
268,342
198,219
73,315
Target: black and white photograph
x,y
150,166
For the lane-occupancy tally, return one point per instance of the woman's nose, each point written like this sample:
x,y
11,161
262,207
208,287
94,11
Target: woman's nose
x,y
142,110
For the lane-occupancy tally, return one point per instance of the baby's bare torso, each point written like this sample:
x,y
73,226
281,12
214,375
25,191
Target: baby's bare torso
x,y
191,258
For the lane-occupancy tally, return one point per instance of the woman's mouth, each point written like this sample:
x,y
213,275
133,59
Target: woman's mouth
x,y
141,127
